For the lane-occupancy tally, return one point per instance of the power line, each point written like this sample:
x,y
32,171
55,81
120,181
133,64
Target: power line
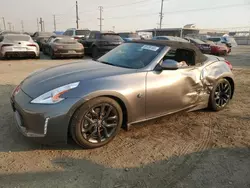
x,y
101,19
180,11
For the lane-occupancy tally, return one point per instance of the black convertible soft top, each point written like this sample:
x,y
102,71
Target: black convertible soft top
x,y
199,56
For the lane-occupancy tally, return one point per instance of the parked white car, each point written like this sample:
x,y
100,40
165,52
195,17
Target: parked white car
x,y
18,45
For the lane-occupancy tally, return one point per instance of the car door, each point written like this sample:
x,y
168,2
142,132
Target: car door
x,y
47,44
87,43
170,91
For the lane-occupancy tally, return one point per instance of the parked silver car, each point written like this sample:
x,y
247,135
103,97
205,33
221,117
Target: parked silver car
x,y
18,45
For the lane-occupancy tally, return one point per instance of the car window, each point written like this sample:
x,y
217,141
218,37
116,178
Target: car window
x,y
92,35
132,55
180,55
65,33
70,32
215,39
1,38
82,32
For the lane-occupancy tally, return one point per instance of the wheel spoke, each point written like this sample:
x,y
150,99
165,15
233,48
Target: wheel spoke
x,y
112,118
108,112
93,112
89,119
110,125
106,134
90,126
99,135
102,110
91,134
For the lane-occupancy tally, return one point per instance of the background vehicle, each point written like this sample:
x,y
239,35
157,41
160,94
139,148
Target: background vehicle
x,y
41,37
135,82
63,46
218,49
171,38
228,41
18,45
99,43
205,48
9,32
77,33
129,36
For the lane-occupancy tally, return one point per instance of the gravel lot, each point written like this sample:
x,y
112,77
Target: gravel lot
x,y
198,149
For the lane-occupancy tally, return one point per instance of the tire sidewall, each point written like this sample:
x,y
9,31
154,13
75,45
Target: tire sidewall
x,y
76,131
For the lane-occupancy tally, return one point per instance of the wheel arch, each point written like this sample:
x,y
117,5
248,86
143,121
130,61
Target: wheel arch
x,y
119,99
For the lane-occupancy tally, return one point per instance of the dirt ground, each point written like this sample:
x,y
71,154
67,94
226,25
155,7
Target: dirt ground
x,y
200,149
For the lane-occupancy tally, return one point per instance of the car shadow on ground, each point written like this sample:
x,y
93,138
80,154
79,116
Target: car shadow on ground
x,y
222,167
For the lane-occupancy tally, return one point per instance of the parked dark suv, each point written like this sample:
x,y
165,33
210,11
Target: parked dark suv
x,y
99,43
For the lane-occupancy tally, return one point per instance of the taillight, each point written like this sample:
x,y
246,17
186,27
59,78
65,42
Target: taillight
x,y
5,45
33,45
229,64
77,37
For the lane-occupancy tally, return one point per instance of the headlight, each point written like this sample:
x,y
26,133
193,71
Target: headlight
x,y
54,96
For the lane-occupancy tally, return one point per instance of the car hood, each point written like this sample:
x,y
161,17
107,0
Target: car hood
x,y
45,80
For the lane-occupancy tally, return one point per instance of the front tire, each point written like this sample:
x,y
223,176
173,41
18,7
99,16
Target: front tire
x,y
96,122
220,95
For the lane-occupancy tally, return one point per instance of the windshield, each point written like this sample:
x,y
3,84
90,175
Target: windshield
x,y
111,37
82,32
130,35
45,34
131,55
17,37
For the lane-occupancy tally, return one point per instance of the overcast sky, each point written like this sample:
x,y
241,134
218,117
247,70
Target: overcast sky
x,y
127,15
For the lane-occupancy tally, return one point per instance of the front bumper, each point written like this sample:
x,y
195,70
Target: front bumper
x,y
47,124
19,54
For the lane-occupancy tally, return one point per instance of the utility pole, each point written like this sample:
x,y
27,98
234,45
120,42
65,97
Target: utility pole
x,y
4,26
101,19
41,24
161,13
37,24
22,26
77,16
54,22
9,26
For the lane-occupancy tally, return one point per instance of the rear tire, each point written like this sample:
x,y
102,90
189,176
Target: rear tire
x,y
93,125
220,95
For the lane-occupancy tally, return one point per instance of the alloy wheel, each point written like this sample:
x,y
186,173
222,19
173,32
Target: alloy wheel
x,y
222,94
99,123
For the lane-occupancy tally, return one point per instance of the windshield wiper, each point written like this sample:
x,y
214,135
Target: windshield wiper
x,y
107,63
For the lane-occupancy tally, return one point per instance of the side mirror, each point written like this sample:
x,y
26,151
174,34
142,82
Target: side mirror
x,y
169,64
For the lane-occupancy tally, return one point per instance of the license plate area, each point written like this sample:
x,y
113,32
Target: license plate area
x,y
19,49
72,52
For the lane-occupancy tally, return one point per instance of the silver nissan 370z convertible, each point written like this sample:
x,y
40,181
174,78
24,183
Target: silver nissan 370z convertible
x,y
91,100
